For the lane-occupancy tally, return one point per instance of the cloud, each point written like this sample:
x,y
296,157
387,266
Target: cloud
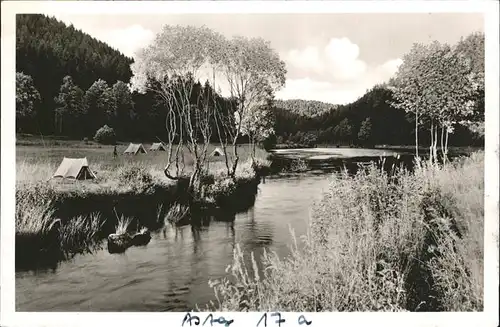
x,y
337,59
128,40
338,91
342,56
307,59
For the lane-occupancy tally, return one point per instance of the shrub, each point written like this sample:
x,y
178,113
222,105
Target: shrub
x,y
105,135
377,243
86,140
130,175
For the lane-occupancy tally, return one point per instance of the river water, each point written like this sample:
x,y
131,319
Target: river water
x,y
171,273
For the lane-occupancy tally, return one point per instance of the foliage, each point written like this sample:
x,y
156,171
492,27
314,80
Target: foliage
x,y
307,108
27,98
254,71
441,85
105,135
364,134
343,132
100,103
368,250
258,124
124,107
134,175
71,110
48,50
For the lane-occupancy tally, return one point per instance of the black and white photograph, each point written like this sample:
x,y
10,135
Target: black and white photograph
x,y
287,161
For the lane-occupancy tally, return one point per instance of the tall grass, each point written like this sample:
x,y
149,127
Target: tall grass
x,y
377,242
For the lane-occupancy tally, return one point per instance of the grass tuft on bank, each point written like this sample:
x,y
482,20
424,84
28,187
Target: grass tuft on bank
x,y
377,242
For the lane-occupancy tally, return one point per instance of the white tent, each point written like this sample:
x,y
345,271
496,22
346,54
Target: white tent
x,y
77,168
135,149
157,147
217,152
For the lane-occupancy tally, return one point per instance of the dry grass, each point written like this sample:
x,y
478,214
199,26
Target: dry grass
x,y
377,243
122,226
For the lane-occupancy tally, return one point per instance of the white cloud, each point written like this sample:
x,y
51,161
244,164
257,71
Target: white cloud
x,y
339,91
307,59
342,56
337,59
128,40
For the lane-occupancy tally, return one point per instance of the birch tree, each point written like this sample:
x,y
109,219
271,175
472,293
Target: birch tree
x,y
171,67
437,84
257,125
254,71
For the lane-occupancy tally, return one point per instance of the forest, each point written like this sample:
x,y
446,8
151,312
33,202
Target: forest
x,y
70,85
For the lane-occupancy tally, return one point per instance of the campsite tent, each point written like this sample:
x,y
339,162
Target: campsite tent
x,y
157,147
77,168
217,152
135,149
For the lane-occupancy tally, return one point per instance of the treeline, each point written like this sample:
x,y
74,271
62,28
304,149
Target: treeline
x,y
48,50
308,108
71,84
368,121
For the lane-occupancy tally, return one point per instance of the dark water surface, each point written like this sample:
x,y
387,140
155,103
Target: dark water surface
x,y
171,273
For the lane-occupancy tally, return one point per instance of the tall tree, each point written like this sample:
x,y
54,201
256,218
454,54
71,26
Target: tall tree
x,y
124,105
365,132
253,71
71,108
171,67
343,131
258,125
471,49
101,105
48,50
27,100
439,83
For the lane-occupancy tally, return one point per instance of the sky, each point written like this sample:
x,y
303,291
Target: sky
x,y
329,57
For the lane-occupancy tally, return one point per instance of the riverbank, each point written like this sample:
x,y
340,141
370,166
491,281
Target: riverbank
x,y
56,219
404,242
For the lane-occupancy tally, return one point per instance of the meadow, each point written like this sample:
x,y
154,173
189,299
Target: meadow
x,y
376,242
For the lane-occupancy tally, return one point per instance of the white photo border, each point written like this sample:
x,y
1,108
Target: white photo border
x,y
490,9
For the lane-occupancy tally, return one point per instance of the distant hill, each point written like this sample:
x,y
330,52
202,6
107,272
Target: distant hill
x,y
308,108
48,50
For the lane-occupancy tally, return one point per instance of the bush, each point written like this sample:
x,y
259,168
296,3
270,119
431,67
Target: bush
x,y
105,135
137,177
86,140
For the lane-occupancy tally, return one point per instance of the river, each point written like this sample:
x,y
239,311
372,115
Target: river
x,y
171,273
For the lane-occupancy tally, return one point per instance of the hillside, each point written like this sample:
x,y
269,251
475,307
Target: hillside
x,y
308,108
48,50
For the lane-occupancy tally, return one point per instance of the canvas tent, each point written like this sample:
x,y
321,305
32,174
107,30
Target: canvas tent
x,y
135,149
157,147
77,168
217,152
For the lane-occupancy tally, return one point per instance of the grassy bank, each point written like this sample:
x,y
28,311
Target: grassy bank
x,y
56,219
409,241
